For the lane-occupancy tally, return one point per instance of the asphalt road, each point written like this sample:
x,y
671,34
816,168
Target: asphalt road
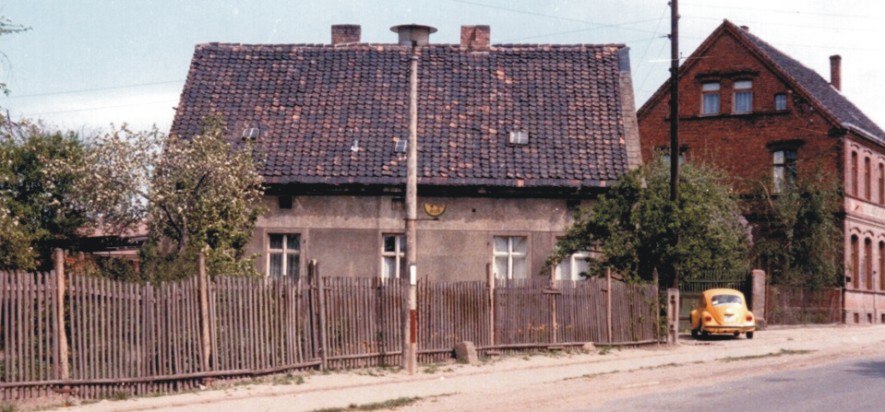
x,y
853,385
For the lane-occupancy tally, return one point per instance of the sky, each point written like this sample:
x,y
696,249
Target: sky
x,y
87,64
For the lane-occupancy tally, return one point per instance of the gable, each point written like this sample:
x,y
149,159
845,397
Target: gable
x,y
333,115
807,83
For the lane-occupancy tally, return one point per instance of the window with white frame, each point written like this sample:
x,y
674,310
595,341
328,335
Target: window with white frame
x,y
780,102
283,255
743,96
510,257
710,98
783,168
393,256
571,267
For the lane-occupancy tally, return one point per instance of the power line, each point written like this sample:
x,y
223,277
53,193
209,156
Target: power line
x,y
574,31
88,109
769,23
756,9
648,46
551,16
97,89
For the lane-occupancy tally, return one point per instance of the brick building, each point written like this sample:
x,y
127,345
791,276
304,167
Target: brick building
x,y
511,139
760,114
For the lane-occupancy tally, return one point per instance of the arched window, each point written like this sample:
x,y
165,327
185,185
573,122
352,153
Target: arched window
x,y
867,178
854,265
881,265
882,183
868,263
854,173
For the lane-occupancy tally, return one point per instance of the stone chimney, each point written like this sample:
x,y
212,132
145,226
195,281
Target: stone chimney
x,y
345,33
836,71
475,38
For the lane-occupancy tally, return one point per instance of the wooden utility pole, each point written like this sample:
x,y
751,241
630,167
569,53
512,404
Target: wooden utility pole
x,y
205,331
64,372
674,119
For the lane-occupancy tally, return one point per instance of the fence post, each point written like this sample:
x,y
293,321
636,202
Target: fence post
x,y
321,311
608,302
673,316
759,297
553,305
490,286
62,355
204,313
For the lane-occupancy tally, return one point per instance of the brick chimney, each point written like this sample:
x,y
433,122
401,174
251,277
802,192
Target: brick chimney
x,y
836,71
345,33
475,38
746,28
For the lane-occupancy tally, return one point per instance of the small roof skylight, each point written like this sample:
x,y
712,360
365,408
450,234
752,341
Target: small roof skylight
x,y
401,146
520,137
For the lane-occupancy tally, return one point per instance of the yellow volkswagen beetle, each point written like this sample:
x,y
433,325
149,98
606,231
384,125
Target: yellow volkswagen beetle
x,y
722,311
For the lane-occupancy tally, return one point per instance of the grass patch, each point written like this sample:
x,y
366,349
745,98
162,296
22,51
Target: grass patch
x,y
8,407
119,396
288,379
377,372
390,404
782,352
437,367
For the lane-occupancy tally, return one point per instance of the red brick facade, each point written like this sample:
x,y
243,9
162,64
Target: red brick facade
x,y
810,118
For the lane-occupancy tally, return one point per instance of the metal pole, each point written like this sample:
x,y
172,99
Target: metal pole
x,y
674,116
412,213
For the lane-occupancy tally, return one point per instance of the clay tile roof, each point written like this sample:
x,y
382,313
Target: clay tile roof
x,y
818,88
312,102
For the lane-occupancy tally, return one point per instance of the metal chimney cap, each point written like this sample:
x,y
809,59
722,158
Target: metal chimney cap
x,y
413,34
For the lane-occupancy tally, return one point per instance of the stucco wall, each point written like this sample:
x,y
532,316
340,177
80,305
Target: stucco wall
x,y
344,233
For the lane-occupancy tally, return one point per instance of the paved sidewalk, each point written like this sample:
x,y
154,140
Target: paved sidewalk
x,y
446,385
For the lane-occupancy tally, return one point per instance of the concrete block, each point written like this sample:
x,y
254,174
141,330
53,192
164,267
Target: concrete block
x,y
465,352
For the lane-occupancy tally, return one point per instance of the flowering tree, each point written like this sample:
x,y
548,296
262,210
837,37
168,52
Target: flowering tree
x,y
34,217
195,194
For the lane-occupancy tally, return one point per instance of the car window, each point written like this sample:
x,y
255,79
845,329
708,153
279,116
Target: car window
x,y
726,299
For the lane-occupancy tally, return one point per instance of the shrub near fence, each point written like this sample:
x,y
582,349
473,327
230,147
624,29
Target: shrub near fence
x,y
104,338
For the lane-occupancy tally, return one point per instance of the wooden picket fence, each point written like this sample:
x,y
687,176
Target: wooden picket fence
x,y
93,338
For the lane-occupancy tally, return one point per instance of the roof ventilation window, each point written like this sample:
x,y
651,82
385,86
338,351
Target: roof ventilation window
x,y
401,146
519,137
251,133
355,147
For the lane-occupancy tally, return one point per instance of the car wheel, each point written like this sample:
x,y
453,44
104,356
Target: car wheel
x,y
749,335
704,333
736,334
694,333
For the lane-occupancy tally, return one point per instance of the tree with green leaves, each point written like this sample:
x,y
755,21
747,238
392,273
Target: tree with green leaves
x,y
800,238
196,194
34,216
638,229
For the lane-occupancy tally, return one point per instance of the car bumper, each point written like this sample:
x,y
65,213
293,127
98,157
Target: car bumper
x,y
729,328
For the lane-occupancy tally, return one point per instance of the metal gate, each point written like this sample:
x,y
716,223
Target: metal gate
x,y
691,287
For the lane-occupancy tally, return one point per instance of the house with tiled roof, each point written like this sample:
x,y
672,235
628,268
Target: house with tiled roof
x,y
511,140
763,116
